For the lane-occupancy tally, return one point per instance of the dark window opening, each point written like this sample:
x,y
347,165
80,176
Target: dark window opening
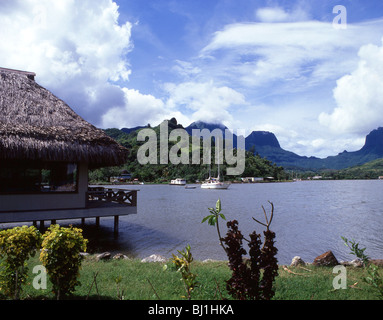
x,y
37,177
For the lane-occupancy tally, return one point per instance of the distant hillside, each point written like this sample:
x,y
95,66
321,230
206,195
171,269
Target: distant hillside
x,y
256,166
266,145
369,170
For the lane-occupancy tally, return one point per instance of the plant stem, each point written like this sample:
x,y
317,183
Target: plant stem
x,y
220,238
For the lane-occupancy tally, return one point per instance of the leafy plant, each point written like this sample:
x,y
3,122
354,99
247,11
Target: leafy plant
x,y
213,218
269,264
374,278
183,264
17,245
247,280
355,250
237,285
120,293
61,257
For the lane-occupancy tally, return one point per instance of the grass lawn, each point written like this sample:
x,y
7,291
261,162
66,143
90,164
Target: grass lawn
x,y
134,280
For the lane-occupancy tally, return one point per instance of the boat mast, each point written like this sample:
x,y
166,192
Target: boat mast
x,y
219,159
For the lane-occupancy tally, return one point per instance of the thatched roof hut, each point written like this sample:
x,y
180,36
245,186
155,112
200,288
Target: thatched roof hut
x,y
36,125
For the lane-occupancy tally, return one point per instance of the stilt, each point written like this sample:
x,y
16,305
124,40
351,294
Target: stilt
x,y
35,223
42,228
116,226
82,222
97,222
53,221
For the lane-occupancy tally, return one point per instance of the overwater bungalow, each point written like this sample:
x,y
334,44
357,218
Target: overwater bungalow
x,y
46,150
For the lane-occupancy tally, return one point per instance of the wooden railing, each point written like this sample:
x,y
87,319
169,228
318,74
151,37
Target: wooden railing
x,y
123,196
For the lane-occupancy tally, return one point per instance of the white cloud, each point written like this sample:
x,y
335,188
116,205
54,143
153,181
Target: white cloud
x,y
295,53
204,101
76,47
137,108
290,68
186,69
277,14
359,95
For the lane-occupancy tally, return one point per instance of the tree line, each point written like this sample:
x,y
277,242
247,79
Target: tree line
x,y
255,165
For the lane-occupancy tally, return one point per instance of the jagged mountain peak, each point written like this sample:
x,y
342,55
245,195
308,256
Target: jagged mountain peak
x,y
261,139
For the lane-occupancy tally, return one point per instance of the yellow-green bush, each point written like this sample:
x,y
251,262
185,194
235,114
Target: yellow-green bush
x,y
61,257
17,245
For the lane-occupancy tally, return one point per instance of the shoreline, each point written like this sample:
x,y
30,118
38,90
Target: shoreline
x,y
159,258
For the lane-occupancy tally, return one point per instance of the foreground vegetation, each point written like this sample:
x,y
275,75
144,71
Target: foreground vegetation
x,y
134,280
74,275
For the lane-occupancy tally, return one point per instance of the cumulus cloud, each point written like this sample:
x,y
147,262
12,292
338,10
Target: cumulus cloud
x,y
359,95
76,47
136,107
290,64
204,101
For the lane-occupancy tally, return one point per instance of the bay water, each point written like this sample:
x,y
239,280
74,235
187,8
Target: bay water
x,y
309,219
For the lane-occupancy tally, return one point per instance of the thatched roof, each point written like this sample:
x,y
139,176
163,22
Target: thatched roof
x,y
36,125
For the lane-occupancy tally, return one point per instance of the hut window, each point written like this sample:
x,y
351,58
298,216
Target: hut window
x,y
37,177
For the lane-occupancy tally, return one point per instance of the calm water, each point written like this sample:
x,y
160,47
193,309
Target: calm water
x,y
309,218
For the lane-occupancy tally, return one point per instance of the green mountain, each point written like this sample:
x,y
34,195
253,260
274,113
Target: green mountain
x,y
256,166
267,146
262,145
370,170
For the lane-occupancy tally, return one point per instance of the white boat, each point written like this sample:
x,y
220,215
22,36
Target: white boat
x,y
214,183
178,182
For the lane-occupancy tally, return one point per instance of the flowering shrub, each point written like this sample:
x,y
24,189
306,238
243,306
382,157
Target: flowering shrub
x,y
17,245
61,257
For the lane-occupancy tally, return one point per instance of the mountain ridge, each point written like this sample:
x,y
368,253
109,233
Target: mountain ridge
x,y
266,144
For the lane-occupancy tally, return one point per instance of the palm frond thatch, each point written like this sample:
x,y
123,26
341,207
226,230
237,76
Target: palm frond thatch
x,y
36,125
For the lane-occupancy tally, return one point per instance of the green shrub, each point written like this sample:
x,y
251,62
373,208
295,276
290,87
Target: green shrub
x,y
61,257
17,245
183,266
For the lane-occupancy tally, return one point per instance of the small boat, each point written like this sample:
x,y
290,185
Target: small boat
x,y
190,187
214,183
178,182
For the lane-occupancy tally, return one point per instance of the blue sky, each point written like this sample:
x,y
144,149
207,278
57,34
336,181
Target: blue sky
x,y
280,66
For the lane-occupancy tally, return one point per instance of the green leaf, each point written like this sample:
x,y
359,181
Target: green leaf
x,y
212,220
204,219
218,205
222,216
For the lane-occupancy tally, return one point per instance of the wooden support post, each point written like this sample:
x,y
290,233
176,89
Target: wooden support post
x,y
42,226
116,226
82,222
97,222
53,221
35,223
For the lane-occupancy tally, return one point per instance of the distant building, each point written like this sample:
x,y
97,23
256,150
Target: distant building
x,y
123,177
251,179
